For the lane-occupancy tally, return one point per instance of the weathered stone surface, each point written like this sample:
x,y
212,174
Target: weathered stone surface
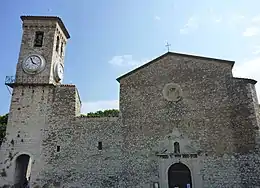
x,y
213,116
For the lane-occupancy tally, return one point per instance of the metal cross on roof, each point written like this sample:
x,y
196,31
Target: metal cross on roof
x,y
168,46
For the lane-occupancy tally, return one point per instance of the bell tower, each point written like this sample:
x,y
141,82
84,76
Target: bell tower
x,y
39,70
42,51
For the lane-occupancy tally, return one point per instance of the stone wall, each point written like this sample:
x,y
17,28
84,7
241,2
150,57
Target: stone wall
x,y
38,117
231,171
217,111
80,163
243,114
27,122
70,156
65,102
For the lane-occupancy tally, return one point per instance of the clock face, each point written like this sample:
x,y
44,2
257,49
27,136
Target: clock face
x,y
33,64
59,72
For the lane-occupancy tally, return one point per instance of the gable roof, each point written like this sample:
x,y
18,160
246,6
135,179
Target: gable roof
x,y
177,54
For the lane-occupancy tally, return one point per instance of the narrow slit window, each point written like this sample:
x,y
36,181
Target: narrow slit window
x,y
57,43
176,147
99,145
61,49
58,148
38,41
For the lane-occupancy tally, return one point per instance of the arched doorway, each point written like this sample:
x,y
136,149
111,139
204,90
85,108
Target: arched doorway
x,y
22,169
179,175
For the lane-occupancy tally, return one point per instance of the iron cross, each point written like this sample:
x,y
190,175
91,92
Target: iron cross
x,y
168,46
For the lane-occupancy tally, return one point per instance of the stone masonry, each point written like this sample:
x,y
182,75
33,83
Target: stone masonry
x,y
191,101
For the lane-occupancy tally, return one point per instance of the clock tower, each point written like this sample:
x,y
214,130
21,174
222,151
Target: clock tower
x,y
38,72
41,58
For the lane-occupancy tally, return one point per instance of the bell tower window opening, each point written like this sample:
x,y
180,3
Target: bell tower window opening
x,y
176,146
57,44
38,40
61,49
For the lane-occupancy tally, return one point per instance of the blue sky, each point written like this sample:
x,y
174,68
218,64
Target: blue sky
x,y
110,38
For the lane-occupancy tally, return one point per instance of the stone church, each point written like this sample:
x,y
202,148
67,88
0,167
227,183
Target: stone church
x,y
184,122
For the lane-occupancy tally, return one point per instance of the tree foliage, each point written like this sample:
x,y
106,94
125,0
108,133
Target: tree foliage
x,y
105,113
3,123
3,119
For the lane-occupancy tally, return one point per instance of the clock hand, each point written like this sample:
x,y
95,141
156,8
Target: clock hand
x,y
32,61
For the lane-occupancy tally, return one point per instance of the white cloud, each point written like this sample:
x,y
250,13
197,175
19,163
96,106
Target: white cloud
x,y
211,10
192,24
249,69
235,21
158,18
254,27
251,31
218,20
256,19
184,31
237,18
126,60
93,106
213,17
256,50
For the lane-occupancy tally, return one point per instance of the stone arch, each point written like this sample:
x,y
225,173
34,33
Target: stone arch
x,y
179,175
22,168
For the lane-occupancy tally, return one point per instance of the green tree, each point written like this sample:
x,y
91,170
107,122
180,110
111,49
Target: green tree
x,y
3,123
105,113
3,119
111,113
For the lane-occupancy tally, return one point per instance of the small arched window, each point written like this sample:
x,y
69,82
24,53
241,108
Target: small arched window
x,y
176,147
57,43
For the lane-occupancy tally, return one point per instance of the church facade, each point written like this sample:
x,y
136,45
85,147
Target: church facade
x,y
184,121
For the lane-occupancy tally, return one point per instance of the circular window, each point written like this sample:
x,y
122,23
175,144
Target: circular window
x,y
172,92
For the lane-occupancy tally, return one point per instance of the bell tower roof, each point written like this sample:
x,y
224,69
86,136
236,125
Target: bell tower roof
x,y
48,18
